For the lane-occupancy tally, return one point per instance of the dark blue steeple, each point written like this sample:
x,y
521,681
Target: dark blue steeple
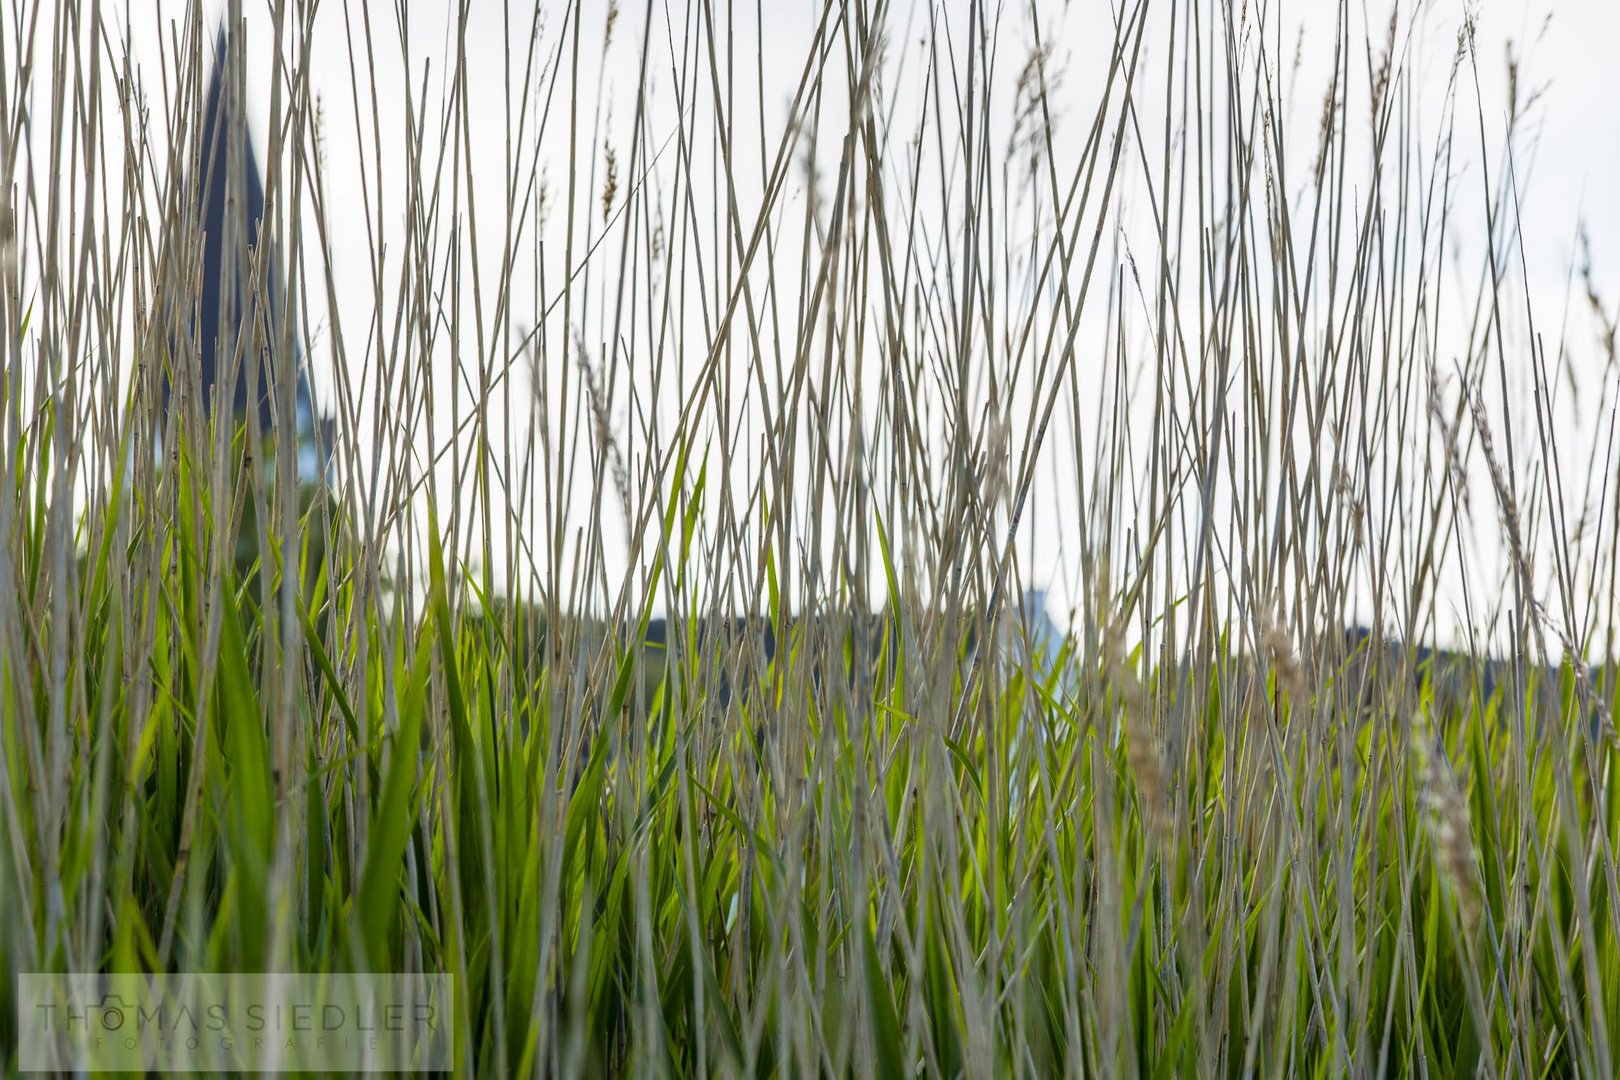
x,y
233,318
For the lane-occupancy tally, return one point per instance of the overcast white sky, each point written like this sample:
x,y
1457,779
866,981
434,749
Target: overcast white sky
x,y
1567,49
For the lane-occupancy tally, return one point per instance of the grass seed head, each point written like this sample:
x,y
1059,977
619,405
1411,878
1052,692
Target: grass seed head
x,y
1446,817
1147,764
1142,745
1277,648
610,182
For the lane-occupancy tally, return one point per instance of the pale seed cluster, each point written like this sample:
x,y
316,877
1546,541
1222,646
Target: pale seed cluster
x,y
1446,816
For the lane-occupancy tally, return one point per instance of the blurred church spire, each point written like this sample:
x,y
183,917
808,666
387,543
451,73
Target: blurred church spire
x,y
230,208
